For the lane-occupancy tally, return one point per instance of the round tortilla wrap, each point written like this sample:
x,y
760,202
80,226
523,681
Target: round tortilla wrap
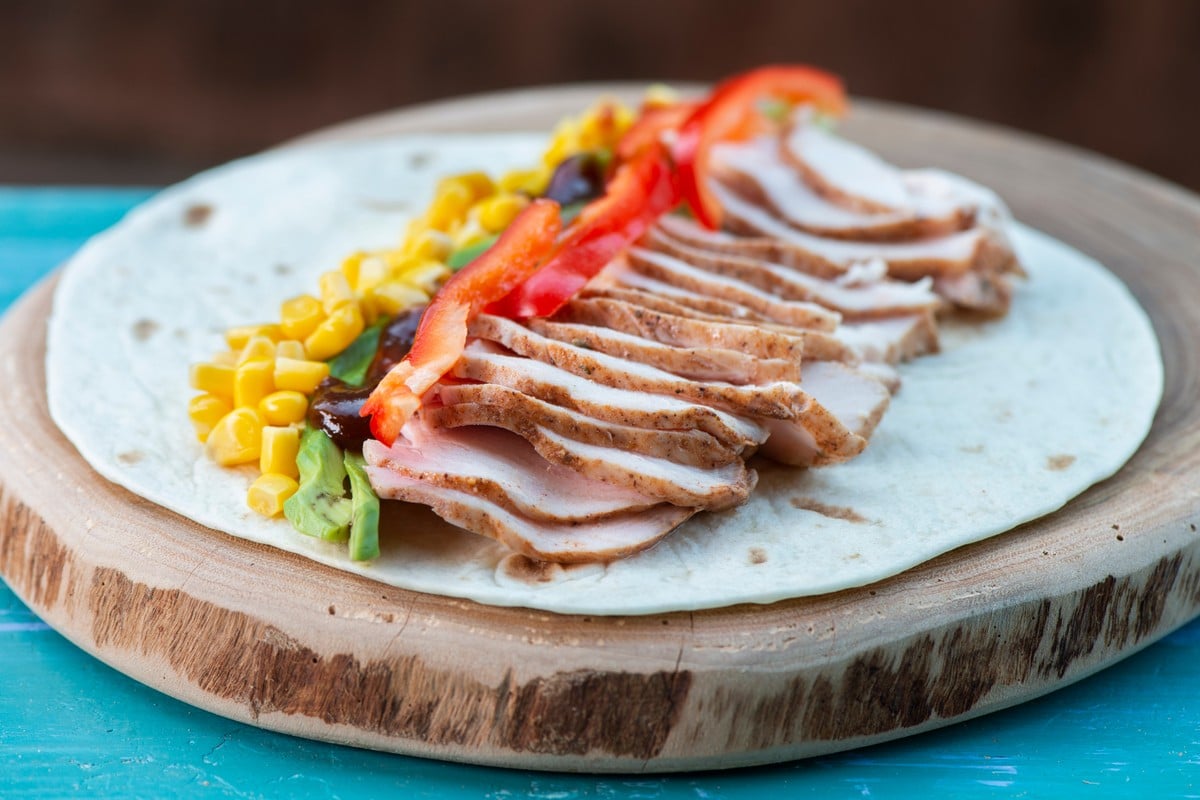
x,y
1015,416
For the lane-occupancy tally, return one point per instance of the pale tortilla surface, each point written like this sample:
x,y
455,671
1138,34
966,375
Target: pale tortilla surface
x,y
1011,421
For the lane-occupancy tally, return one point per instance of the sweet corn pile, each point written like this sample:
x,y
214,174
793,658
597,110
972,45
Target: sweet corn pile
x,y
255,395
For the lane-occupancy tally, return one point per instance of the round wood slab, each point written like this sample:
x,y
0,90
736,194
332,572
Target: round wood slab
x,y
269,638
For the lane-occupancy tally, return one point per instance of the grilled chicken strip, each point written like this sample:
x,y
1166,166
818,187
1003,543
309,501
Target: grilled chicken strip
x,y
876,296
854,178
489,402
681,275
481,362
952,254
641,313
505,470
564,542
696,363
780,399
758,170
713,488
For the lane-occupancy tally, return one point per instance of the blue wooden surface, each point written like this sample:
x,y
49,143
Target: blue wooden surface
x,y
70,726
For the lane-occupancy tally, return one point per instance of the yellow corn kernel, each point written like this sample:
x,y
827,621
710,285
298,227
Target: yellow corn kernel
x,y
471,231
205,411
603,125
301,316
623,119
279,448
593,131
226,358
237,337
253,381
369,310
430,244
269,492
336,333
397,262
395,296
564,142
658,95
372,272
213,378
257,348
527,181
449,205
236,438
477,183
295,375
351,265
285,407
335,291
290,348
497,212
426,276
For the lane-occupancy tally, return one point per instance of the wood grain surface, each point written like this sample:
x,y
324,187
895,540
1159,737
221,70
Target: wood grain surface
x,y
266,637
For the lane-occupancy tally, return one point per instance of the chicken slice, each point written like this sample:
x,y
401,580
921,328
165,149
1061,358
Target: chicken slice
x,y
851,403
564,542
695,363
941,256
505,470
779,399
681,275
876,297
713,488
485,403
480,362
757,170
856,178
892,340
641,313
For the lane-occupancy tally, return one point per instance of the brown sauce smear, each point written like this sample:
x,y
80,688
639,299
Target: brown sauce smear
x,y
835,512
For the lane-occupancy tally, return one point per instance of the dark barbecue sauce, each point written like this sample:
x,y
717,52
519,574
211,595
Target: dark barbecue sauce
x,y
335,406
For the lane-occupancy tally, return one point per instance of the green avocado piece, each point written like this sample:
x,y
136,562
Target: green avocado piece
x,y
320,508
350,366
364,525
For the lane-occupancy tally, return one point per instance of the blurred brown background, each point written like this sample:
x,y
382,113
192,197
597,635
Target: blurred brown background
x,y
139,91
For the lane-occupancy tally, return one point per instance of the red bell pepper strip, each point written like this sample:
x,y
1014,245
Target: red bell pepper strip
x,y
639,193
442,332
646,132
731,112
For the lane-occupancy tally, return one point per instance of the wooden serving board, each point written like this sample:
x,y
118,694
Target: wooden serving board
x,y
269,638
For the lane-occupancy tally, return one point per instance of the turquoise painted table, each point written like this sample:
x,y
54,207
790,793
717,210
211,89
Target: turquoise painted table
x,y
70,726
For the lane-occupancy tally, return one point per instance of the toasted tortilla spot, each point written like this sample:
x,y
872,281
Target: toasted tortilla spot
x,y
143,329
1059,462
520,568
757,555
130,457
825,510
195,215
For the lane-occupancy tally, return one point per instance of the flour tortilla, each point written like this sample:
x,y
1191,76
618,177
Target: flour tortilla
x,y
1012,420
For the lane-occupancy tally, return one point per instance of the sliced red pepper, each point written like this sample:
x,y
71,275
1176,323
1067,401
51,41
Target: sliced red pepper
x,y
639,193
442,332
731,112
646,132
